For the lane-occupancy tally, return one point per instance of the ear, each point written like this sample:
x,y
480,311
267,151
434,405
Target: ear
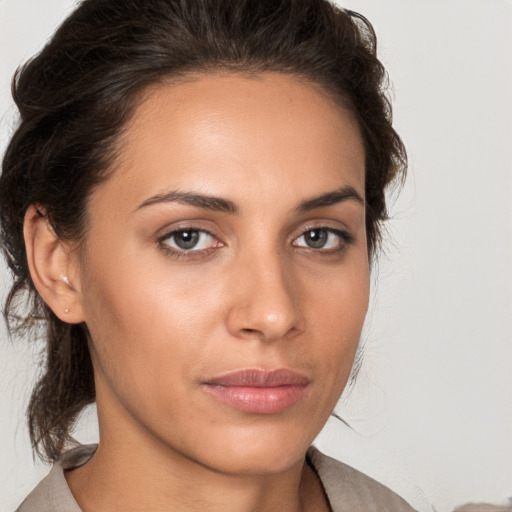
x,y
53,267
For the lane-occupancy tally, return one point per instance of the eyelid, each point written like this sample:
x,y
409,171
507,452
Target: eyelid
x,y
190,253
187,225
346,238
328,225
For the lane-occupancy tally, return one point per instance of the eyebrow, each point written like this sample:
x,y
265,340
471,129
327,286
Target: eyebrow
x,y
217,204
220,204
330,198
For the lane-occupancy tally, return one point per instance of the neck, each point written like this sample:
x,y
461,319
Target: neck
x,y
113,481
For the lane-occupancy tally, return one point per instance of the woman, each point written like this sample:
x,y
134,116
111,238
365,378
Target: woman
x,y
191,203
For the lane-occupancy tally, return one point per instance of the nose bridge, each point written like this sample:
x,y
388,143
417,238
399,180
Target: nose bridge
x,y
267,305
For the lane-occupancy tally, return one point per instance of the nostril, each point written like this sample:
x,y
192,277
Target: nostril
x,y
267,309
250,331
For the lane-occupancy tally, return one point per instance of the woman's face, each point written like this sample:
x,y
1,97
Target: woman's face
x,y
224,279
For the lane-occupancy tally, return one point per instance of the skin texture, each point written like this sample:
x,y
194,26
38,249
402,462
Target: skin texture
x,y
253,295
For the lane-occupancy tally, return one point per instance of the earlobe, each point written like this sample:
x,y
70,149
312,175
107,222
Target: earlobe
x,y
52,267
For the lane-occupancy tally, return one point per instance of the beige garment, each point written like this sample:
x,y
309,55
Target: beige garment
x,y
484,507
347,489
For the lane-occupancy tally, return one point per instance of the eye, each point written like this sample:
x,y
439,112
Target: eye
x,y
323,238
189,240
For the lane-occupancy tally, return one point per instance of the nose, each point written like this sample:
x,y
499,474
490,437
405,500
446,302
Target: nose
x,y
266,301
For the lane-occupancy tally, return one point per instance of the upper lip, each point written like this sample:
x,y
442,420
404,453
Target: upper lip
x,y
258,378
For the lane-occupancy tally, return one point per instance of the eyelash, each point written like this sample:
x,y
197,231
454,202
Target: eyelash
x,y
183,253
345,238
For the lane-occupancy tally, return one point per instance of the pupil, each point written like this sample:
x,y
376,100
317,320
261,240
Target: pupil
x,y
316,238
186,239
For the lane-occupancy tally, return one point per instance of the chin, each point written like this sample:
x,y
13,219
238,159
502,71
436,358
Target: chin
x,y
257,463
258,452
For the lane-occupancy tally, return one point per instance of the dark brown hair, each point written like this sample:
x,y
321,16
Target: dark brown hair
x,y
77,94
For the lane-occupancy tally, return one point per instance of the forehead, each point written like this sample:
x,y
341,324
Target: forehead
x,y
212,132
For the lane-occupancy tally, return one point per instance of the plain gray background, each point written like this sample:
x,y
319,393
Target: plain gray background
x,y
431,409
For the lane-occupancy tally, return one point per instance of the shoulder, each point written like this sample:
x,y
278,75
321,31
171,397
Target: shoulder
x,y
349,490
53,494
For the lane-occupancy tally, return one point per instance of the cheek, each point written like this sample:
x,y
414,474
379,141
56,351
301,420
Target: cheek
x,y
150,318
336,316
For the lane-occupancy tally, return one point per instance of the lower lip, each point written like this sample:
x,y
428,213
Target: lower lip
x,y
258,400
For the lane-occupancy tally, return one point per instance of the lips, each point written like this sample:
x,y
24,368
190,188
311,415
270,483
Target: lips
x,y
258,391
